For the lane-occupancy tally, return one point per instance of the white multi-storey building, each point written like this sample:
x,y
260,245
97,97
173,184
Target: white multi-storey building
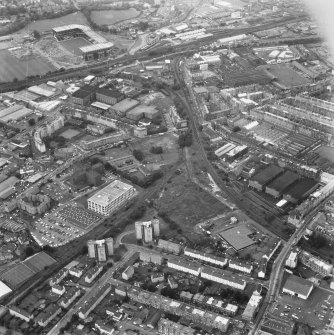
x,y
223,277
205,258
148,230
111,197
247,268
184,266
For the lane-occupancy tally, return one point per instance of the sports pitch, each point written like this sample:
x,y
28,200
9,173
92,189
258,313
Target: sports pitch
x,y
11,67
74,45
70,133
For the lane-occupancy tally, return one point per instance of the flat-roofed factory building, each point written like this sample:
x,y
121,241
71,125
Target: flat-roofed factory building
x,y
111,197
264,177
280,184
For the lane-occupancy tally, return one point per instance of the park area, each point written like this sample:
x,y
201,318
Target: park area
x,y
45,25
112,16
12,68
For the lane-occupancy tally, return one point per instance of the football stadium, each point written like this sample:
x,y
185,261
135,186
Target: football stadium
x,y
82,41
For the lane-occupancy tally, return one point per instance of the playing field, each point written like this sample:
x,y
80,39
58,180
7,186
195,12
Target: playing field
x,y
70,133
109,17
286,76
11,67
74,45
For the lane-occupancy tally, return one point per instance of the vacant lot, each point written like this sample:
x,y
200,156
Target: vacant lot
x,y
187,204
11,67
74,45
109,17
168,143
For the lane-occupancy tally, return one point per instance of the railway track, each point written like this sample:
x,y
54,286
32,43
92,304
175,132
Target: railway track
x,y
178,50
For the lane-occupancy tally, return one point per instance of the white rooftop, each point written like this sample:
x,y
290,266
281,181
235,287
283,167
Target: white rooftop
x,y
4,289
110,193
97,47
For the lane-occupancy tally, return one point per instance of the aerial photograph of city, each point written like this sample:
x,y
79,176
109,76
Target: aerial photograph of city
x,y
166,167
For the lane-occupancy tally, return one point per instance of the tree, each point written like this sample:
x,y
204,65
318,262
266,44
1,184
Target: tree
x,y
138,154
31,122
318,241
36,34
29,251
156,150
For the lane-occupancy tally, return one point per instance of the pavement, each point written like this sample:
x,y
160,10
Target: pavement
x,y
91,292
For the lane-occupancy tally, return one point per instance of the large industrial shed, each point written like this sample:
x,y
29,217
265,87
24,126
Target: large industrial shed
x,y
264,177
280,184
300,190
298,287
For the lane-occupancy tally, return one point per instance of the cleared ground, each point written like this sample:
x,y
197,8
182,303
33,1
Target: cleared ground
x,y
74,45
168,142
109,17
11,67
187,204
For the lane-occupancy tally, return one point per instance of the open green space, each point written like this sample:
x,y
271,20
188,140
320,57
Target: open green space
x,y
45,25
11,67
112,16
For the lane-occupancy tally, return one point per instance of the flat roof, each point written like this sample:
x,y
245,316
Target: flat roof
x,y
97,47
125,105
111,192
284,181
267,174
109,93
100,105
238,237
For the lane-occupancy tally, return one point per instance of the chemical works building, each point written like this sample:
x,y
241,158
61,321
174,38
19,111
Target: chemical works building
x,y
280,184
264,177
110,97
300,190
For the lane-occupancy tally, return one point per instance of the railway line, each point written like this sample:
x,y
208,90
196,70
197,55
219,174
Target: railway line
x,y
177,50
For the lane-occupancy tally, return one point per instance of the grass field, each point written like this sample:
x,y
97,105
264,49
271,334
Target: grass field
x,y
187,204
11,67
286,76
326,152
74,45
70,133
168,142
44,25
113,16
